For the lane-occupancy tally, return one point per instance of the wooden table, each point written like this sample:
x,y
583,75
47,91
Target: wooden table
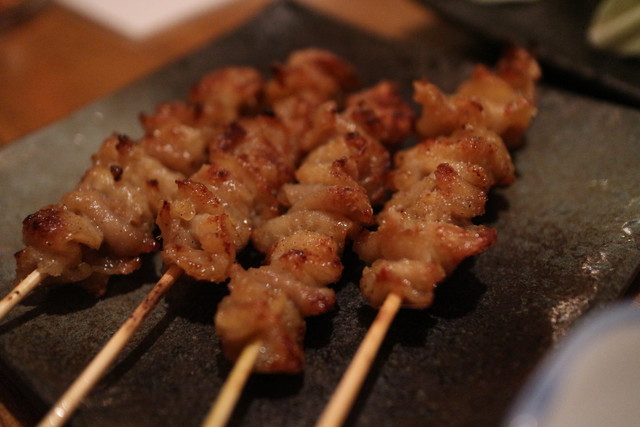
x,y
58,61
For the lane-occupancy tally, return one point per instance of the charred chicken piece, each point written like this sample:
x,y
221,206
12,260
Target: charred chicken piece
x,y
425,229
178,133
103,226
503,101
214,211
330,202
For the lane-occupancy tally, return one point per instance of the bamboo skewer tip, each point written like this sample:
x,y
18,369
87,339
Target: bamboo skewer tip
x,y
65,406
345,394
227,399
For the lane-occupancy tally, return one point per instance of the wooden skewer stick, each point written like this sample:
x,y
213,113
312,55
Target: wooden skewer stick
x,y
228,397
18,293
66,405
342,400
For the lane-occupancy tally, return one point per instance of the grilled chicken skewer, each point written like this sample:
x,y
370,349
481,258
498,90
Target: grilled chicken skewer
x,y
217,204
503,100
261,323
87,242
248,162
211,215
425,229
106,223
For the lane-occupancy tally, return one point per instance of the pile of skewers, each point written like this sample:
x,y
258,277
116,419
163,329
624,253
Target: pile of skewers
x,y
295,165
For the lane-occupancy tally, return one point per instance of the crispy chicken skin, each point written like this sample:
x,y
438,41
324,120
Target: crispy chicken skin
x,y
425,230
211,216
330,202
104,225
308,78
213,213
503,101
178,133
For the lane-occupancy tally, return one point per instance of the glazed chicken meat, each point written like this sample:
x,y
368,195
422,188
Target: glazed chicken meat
x,y
330,202
425,230
296,165
104,226
502,100
211,217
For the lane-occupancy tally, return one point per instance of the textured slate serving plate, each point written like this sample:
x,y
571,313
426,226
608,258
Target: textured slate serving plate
x,y
558,30
569,241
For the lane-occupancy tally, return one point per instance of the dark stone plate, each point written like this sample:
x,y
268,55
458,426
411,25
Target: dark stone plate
x,y
558,31
569,241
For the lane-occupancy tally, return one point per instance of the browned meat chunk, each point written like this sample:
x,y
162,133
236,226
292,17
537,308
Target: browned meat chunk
x,y
330,202
503,101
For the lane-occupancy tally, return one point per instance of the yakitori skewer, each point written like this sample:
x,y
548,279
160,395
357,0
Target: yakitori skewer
x,y
210,217
425,229
217,203
75,244
79,243
261,323
106,223
423,233
92,233
20,291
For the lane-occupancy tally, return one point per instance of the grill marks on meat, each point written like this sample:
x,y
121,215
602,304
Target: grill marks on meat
x,y
425,229
309,78
178,134
241,161
213,213
210,218
503,101
104,225
264,153
377,111
328,204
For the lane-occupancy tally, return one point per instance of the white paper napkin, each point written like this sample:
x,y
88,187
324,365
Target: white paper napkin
x,y
138,19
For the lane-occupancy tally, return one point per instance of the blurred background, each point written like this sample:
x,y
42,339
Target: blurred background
x,y
56,56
